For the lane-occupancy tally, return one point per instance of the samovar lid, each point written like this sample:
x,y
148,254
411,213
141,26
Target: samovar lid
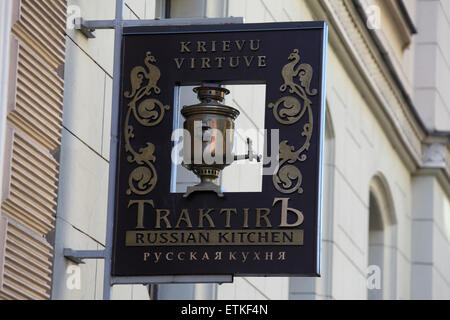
x,y
211,97
211,92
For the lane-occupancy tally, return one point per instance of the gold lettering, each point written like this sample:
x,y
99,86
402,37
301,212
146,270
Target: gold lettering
x,y
240,44
234,64
247,61
262,62
228,216
140,214
226,46
181,256
159,218
269,255
171,256
220,61
260,216
205,256
214,238
213,46
185,46
218,255
284,213
179,62
202,215
193,255
146,255
192,63
253,46
201,46
206,63
282,255
245,224
184,216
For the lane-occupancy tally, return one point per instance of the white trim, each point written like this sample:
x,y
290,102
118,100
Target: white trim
x,y
5,34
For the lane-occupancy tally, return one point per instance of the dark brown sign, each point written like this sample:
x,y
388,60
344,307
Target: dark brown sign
x,y
273,232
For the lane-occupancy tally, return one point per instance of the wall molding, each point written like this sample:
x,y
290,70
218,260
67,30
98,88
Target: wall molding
x,y
366,65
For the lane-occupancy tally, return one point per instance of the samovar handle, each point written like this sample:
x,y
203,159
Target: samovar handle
x,y
250,155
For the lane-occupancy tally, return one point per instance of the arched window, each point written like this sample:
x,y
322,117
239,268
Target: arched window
x,y
382,242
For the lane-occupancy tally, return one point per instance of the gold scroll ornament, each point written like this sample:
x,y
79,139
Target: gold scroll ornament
x,y
289,110
148,113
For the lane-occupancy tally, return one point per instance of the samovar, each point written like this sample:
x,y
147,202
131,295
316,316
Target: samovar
x,y
210,130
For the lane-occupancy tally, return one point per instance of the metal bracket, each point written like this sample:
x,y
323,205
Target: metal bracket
x,y
82,26
88,27
78,256
250,154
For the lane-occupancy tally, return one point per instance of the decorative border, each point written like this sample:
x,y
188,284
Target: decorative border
x,y
148,113
291,112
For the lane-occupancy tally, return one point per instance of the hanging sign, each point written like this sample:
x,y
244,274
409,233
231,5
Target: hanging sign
x,y
275,232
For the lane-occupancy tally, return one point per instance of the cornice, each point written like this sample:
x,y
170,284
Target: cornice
x,y
355,47
387,55
423,152
406,16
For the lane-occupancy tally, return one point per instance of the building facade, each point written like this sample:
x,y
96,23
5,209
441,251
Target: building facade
x,y
386,207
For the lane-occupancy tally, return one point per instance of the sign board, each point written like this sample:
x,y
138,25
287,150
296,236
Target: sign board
x,y
274,232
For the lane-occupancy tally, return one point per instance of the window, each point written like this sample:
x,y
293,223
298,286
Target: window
x,y
382,242
240,176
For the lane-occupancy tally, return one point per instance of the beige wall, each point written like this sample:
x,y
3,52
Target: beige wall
x,y
81,215
362,143
431,240
363,150
432,72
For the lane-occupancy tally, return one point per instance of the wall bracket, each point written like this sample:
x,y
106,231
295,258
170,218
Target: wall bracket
x,y
78,256
88,27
